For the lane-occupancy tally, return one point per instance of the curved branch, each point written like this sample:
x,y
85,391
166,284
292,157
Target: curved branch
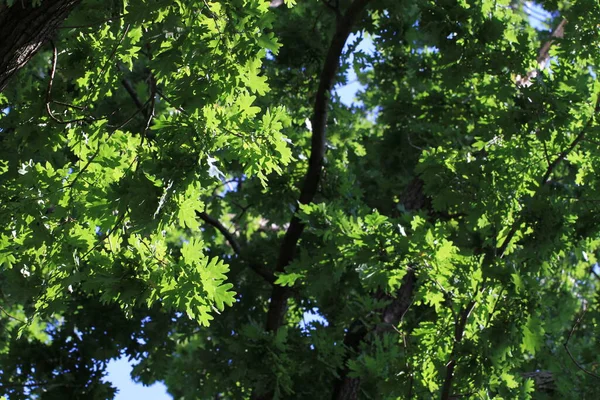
x,y
224,231
287,251
49,91
566,344
237,249
11,316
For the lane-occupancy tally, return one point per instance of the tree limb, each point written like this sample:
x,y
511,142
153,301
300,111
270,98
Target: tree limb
x,y
49,92
136,100
287,251
543,56
546,177
459,329
237,249
221,228
346,387
566,345
11,316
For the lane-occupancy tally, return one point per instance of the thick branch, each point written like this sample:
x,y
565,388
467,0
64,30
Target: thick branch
x,y
543,56
544,53
221,228
136,100
287,251
23,30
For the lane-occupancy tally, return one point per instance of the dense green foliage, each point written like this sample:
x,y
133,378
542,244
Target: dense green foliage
x,y
154,153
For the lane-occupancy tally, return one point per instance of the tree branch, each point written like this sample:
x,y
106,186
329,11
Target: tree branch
x,y
280,295
237,249
543,56
459,329
134,96
566,345
11,316
346,387
221,228
49,91
546,177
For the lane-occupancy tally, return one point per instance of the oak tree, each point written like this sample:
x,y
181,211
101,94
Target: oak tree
x,y
182,185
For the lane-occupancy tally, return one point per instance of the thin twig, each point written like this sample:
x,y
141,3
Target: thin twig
x,y
235,245
128,120
49,90
491,314
11,316
118,222
152,100
110,56
546,177
114,51
67,105
168,100
97,151
592,141
566,344
565,153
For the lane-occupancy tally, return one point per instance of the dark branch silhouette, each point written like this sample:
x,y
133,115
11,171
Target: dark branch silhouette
x,y
280,294
224,231
459,330
237,249
566,345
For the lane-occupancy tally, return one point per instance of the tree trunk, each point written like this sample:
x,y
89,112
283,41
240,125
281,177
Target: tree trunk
x,y
24,29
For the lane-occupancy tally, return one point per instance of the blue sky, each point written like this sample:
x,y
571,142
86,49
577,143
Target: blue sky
x,y
119,375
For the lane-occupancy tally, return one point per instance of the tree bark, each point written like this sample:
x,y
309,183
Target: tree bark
x,y
24,29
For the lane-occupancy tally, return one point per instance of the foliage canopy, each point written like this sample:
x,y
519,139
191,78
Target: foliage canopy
x,y
180,185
